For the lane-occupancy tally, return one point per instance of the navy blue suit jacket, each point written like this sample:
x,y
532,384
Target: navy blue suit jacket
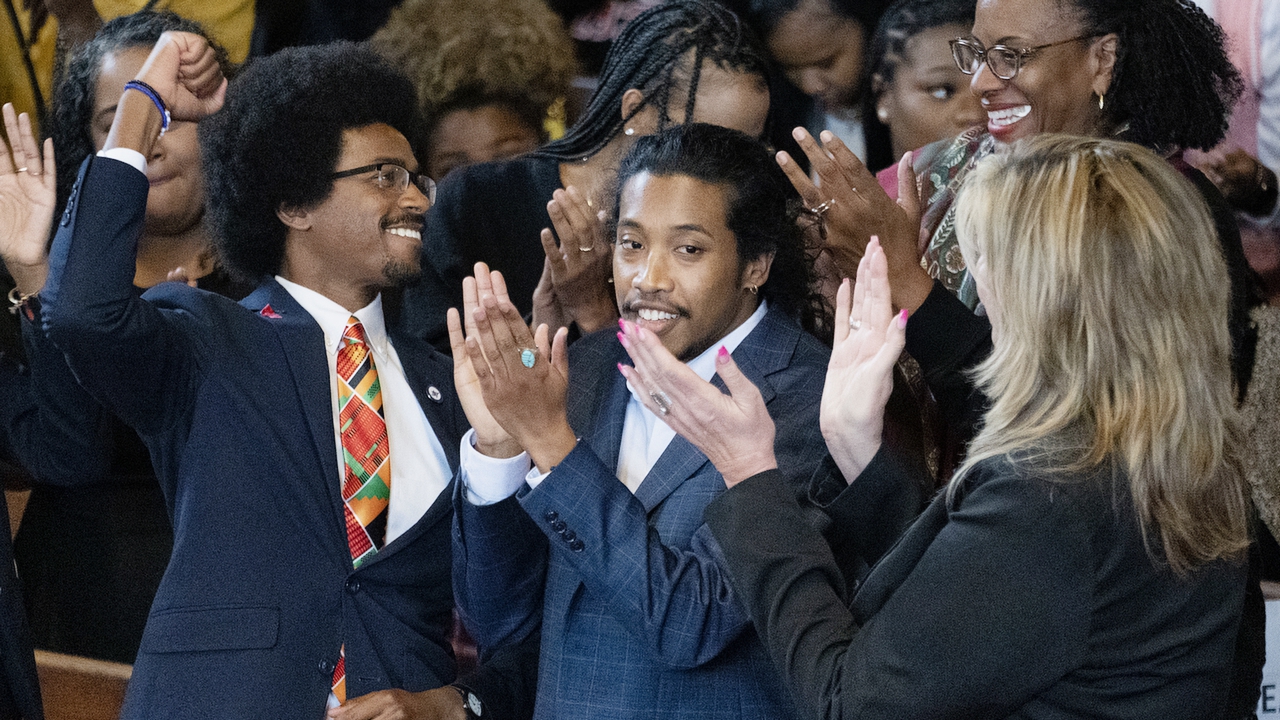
x,y
233,401
637,618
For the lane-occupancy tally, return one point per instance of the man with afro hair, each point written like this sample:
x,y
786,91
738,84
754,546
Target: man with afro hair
x,y
304,449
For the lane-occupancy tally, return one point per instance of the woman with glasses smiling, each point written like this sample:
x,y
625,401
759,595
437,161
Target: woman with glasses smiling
x,y
1153,72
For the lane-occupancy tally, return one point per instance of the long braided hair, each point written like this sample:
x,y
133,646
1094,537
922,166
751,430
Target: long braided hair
x,y
649,56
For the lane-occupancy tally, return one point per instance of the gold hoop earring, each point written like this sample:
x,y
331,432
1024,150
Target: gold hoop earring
x,y
1102,100
753,289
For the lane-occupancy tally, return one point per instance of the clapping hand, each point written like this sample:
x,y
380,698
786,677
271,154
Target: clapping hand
x,y
854,207
734,431
27,197
522,374
491,439
868,341
578,270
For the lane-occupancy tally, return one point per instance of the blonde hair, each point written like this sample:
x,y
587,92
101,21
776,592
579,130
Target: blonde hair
x,y
516,48
1113,344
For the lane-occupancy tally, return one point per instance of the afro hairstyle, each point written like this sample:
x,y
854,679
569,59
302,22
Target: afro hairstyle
x,y
277,138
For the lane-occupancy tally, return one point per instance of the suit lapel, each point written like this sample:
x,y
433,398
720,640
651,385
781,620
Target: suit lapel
x,y
766,350
597,401
432,384
303,345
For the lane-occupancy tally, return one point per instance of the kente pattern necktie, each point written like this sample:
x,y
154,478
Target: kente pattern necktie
x,y
366,485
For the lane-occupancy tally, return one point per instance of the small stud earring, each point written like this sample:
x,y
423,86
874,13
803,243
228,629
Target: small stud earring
x,y
883,115
629,131
753,289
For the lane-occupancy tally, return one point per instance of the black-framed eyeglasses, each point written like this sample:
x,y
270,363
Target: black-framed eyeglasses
x,y
1004,61
391,176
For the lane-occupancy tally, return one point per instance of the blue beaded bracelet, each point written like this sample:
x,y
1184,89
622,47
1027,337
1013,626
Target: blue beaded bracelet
x,y
150,92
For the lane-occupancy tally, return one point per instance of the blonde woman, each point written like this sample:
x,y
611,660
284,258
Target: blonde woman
x,y
1088,559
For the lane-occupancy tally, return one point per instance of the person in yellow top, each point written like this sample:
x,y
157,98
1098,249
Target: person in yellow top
x,y
230,22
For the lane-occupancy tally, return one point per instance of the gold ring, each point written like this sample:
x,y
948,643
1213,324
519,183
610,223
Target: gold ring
x,y
22,169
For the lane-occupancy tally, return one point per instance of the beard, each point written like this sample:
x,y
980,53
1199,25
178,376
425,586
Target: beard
x,y
398,273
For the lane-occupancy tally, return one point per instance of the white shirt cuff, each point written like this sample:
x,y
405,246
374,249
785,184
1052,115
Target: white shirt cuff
x,y
487,480
535,477
129,157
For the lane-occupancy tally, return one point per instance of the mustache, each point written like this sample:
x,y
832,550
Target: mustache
x,y
629,306
417,219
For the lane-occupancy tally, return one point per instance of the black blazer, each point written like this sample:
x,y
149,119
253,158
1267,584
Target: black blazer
x,y
1025,597
234,403
19,686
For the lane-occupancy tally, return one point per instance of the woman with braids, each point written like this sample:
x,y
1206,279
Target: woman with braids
x,y
96,536
1153,72
689,60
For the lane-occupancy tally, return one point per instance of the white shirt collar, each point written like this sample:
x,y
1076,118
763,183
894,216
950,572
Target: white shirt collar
x,y
332,317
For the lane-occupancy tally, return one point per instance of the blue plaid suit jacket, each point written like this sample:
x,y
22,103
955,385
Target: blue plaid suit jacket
x,y
637,618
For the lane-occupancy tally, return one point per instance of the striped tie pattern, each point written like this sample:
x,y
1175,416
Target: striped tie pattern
x,y
366,485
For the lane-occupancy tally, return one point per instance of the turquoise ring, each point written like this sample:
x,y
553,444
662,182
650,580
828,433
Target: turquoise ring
x,y
527,356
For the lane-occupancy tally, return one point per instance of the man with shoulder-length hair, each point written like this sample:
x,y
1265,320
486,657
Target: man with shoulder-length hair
x,y
602,545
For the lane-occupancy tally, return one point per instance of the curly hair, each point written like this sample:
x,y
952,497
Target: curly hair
x,y
74,97
763,210
506,49
276,140
649,55
1174,86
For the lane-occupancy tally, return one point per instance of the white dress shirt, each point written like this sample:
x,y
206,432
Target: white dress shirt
x,y
419,467
645,437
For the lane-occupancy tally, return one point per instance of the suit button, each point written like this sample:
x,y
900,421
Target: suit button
x,y
552,516
576,546
569,536
558,525
326,667
353,586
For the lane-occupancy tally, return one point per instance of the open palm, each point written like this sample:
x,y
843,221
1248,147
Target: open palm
x,y
27,196
868,341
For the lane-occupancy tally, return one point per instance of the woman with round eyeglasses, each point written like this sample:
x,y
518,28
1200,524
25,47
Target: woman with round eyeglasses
x,y
1153,72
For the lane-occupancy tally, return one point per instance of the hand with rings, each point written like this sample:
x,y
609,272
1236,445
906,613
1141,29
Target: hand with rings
x,y
733,430
27,198
868,341
853,207
522,374
579,268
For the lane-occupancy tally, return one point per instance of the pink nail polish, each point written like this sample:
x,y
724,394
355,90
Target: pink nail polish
x,y
902,318
620,368
622,339
622,323
723,354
